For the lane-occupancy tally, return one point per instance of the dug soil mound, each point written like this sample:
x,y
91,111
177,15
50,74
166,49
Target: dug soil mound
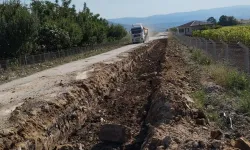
x,y
140,102
47,124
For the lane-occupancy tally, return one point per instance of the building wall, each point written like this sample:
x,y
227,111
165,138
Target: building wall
x,y
189,30
185,30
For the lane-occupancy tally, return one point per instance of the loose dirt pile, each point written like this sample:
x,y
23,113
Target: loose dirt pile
x,y
46,124
173,121
145,97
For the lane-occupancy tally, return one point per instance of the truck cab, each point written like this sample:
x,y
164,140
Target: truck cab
x,y
138,33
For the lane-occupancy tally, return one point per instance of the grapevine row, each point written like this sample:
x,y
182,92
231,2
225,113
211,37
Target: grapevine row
x,y
231,34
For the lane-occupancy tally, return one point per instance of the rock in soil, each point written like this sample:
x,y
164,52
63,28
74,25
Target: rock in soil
x,y
201,114
167,141
217,134
202,144
113,133
200,122
216,144
67,147
211,87
242,144
160,148
195,144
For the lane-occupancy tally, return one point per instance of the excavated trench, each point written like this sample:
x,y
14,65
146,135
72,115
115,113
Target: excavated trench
x,y
142,101
116,93
127,104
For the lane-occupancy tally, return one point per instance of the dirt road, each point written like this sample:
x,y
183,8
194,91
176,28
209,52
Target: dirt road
x,y
144,95
45,85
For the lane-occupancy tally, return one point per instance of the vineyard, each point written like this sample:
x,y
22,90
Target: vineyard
x,y
228,34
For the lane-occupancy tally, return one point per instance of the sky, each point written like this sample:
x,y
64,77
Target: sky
x,y
110,9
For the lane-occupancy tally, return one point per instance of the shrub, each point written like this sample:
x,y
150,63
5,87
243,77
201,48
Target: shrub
x,y
49,26
93,40
73,29
229,77
245,101
237,80
17,26
117,32
52,38
199,97
213,116
200,57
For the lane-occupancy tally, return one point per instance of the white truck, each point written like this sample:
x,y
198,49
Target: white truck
x,y
139,33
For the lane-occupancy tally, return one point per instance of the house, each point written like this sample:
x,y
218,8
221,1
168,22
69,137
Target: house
x,y
244,21
188,28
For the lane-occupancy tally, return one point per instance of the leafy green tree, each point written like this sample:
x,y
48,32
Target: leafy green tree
x,y
212,20
223,20
52,38
227,21
73,29
49,26
17,27
116,32
232,21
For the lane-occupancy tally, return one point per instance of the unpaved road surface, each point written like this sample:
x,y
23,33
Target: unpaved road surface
x,y
146,91
45,85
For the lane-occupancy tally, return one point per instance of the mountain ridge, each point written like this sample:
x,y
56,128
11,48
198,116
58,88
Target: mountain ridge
x,y
175,19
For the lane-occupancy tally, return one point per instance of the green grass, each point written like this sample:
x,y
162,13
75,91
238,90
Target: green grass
x,y
213,116
199,57
199,98
235,81
229,77
223,75
244,102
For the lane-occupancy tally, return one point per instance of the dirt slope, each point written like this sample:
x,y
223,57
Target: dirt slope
x,y
45,85
147,91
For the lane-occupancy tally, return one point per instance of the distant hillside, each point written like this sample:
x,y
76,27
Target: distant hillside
x,y
161,22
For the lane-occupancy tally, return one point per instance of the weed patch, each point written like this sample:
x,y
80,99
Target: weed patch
x,y
213,116
244,102
199,57
229,77
201,100
199,97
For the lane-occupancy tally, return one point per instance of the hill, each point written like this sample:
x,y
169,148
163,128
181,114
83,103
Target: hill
x,y
161,22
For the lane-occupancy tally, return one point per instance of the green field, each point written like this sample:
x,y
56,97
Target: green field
x,y
230,34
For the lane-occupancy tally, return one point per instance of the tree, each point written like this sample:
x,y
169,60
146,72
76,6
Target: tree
x,y
227,21
232,21
116,32
50,25
212,20
17,27
223,20
73,29
53,38
84,7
